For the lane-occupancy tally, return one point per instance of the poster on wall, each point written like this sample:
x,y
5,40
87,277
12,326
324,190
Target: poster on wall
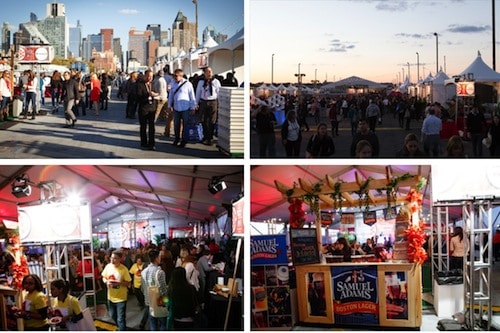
x,y
355,298
304,246
316,296
271,305
268,250
396,293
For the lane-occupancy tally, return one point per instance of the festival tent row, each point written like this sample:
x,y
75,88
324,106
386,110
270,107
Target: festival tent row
x,y
176,194
352,82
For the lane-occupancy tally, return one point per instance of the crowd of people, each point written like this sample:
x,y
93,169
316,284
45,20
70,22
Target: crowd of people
x,y
172,97
183,272
363,115
345,248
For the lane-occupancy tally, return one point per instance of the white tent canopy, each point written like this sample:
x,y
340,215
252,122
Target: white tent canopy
x,y
480,71
353,81
229,56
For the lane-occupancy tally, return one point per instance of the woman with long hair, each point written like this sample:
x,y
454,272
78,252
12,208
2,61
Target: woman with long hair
x,y
95,92
183,300
291,135
457,249
34,310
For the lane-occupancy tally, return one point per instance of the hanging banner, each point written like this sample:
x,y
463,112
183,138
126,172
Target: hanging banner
x,y
465,89
355,297
268,250
237,217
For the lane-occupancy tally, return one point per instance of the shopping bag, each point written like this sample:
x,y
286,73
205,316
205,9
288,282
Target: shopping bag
x,y
84,324
156,306
195,132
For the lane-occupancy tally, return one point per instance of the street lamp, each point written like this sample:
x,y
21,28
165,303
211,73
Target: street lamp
x,y
299,77
272,69
418,67
409,80
437,53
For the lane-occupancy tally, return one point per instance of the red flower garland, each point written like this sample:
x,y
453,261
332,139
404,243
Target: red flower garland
x,y
20,264
415,234
297,214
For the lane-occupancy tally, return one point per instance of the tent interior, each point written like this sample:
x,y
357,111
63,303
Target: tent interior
x,y
176,194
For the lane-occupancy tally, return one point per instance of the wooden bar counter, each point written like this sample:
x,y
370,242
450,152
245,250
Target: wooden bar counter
x,y
362,294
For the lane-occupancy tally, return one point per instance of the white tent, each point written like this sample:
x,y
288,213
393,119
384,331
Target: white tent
x,y
480,71
439,91
353,82
229,56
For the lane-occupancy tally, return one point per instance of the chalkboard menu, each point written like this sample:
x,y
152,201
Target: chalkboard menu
x,y
304,246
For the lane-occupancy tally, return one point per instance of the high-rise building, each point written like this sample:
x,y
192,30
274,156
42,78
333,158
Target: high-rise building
x,y
117,50
183,32
107,39
217,36
138,42
33,17
5,38
92,42
75,40
55,28
155,31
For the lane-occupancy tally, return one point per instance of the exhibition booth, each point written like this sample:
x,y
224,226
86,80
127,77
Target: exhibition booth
x,y
302,274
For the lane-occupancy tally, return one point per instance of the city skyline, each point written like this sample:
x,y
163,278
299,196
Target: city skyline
x,y
124,15
373,39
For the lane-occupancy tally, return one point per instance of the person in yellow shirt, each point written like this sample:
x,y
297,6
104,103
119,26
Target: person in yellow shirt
x,y
63,305
135,271
117,279
34,308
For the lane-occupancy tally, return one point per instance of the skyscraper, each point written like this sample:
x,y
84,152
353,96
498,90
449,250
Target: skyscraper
x,y
55,28
107,39
183,32
155,31
138,42
5,38
75,38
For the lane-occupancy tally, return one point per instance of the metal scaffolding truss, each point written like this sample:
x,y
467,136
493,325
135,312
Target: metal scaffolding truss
x,y
477,224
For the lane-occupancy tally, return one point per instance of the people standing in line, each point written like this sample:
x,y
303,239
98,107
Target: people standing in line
x,y
455,147
207,94
475,125
410,147
230,80
494,132
291,135
151,276
146,97
183,299
63,304
354,116
372,114
320,145
431,128
458,248
71,97
34,310
55,90
160,86
131,91
30,88
182,103
117,279
364,133
95,93
333,115
265,121
5,94
192,274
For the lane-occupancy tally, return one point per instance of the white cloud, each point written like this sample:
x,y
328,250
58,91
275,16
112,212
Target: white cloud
x,y
128,11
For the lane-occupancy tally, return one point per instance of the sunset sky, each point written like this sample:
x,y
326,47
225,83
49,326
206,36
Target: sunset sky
x,y
373,39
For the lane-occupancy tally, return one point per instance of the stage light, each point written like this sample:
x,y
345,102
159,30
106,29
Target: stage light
x,y
216,184
20,187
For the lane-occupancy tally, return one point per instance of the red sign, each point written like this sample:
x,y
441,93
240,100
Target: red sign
x,y
39,54
465,89
238,224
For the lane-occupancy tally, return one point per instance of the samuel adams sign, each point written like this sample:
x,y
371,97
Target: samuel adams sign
x,y
268,250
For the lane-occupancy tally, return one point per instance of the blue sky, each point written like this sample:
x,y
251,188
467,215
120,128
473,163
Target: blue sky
x,y
225,15
374,39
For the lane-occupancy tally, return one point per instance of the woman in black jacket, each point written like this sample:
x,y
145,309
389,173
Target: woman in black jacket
x,y
183,300
291,134
71,97
147,109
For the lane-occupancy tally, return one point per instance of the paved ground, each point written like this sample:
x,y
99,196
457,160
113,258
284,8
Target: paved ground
x,y
390,135
109,135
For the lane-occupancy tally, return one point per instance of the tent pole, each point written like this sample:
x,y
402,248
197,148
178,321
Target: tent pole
x,y
238,247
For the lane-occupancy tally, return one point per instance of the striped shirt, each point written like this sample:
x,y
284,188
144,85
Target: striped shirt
x,y
149,279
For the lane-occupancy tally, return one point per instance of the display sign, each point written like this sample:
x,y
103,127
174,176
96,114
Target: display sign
x,y
35,54
396,293
54,222
465,89
268,250
304,246
355,297
237,217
